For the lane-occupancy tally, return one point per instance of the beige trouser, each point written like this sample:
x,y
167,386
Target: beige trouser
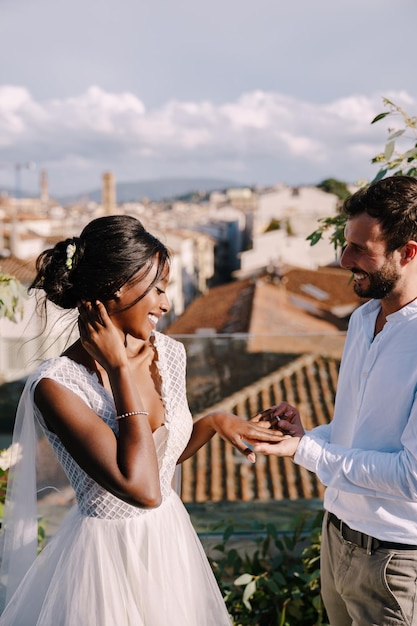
x,y
361,589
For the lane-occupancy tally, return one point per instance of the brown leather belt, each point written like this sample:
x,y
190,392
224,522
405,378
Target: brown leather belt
x,y
368,543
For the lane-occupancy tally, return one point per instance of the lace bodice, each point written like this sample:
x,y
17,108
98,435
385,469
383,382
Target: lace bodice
x,y
170,439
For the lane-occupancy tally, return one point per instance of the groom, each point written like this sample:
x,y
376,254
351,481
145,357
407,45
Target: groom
x,y
367,455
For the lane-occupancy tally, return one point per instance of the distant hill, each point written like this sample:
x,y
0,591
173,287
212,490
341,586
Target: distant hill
x,y
157,189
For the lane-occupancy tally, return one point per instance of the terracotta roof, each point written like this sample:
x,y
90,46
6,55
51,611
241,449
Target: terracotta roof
x,y
262,307
274,312
328,288
218,472
23,270
225,309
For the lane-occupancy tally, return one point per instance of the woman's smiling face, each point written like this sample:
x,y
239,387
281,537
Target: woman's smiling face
x,y
140,303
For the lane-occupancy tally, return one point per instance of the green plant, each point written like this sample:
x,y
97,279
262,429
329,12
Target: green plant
x,y
336,187
275,581
335,227
394,160
12,293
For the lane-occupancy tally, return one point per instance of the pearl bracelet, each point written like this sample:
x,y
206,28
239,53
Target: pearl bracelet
x,y
123,415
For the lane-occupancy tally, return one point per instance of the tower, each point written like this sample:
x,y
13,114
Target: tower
x,y
108,193
44,188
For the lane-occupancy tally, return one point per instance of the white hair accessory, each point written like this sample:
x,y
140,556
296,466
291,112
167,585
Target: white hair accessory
x,y
71,250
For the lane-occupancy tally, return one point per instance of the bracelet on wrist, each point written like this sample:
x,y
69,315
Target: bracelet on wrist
x,y
129,413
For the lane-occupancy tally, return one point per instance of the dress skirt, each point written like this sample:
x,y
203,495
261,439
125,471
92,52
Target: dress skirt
x,y
147,570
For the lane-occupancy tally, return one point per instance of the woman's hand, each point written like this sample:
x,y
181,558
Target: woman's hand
x,y
100,337
244,433
239,432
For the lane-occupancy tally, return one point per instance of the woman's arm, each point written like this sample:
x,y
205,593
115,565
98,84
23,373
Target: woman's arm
x,y
237,431
127,466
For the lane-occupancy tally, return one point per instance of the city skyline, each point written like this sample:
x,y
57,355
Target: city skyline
x,y
259,94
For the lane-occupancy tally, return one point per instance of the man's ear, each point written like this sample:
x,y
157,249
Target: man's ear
x,y
409,251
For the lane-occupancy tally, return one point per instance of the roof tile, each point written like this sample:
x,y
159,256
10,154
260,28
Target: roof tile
x,y
218,472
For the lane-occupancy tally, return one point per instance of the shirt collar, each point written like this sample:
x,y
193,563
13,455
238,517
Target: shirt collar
x,y
407,311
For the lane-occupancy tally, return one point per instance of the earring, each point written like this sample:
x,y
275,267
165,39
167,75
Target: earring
x,y
117,294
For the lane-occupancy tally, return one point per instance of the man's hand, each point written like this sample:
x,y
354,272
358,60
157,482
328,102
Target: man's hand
x,y
286,419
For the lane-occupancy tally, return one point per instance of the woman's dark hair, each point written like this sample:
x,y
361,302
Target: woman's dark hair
x,y
393,202
109,252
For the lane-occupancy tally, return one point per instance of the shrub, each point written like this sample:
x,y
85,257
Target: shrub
x,y
276,580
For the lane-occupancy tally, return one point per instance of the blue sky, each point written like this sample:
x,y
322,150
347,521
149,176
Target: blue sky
x,y
258,92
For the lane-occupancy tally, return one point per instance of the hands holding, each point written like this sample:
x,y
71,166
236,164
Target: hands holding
x,y
241,433
277,430
285,419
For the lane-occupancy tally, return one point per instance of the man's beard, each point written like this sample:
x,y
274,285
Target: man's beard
x,y
380,283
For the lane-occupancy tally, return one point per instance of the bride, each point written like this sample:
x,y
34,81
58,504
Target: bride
x,y
114,410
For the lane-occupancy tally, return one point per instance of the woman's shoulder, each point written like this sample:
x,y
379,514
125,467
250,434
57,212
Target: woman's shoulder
x,y
61,369
165,342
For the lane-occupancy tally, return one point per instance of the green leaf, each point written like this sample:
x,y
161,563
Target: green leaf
x,y
228,532
315,237
380,175
272,586
380,116
280,578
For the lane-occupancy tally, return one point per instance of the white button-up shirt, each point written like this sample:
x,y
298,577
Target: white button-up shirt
x,y
367,455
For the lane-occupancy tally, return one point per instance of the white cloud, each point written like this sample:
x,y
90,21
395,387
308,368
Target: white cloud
x,y
19,115
261,135
97,111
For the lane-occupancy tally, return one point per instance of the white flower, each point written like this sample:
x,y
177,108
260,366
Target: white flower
x,y
10,456
70,251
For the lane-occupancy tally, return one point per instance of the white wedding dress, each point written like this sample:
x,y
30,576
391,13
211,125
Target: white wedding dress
x,y
112,564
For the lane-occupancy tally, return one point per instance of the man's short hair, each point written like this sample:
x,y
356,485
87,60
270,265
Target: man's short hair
x,y
393,202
